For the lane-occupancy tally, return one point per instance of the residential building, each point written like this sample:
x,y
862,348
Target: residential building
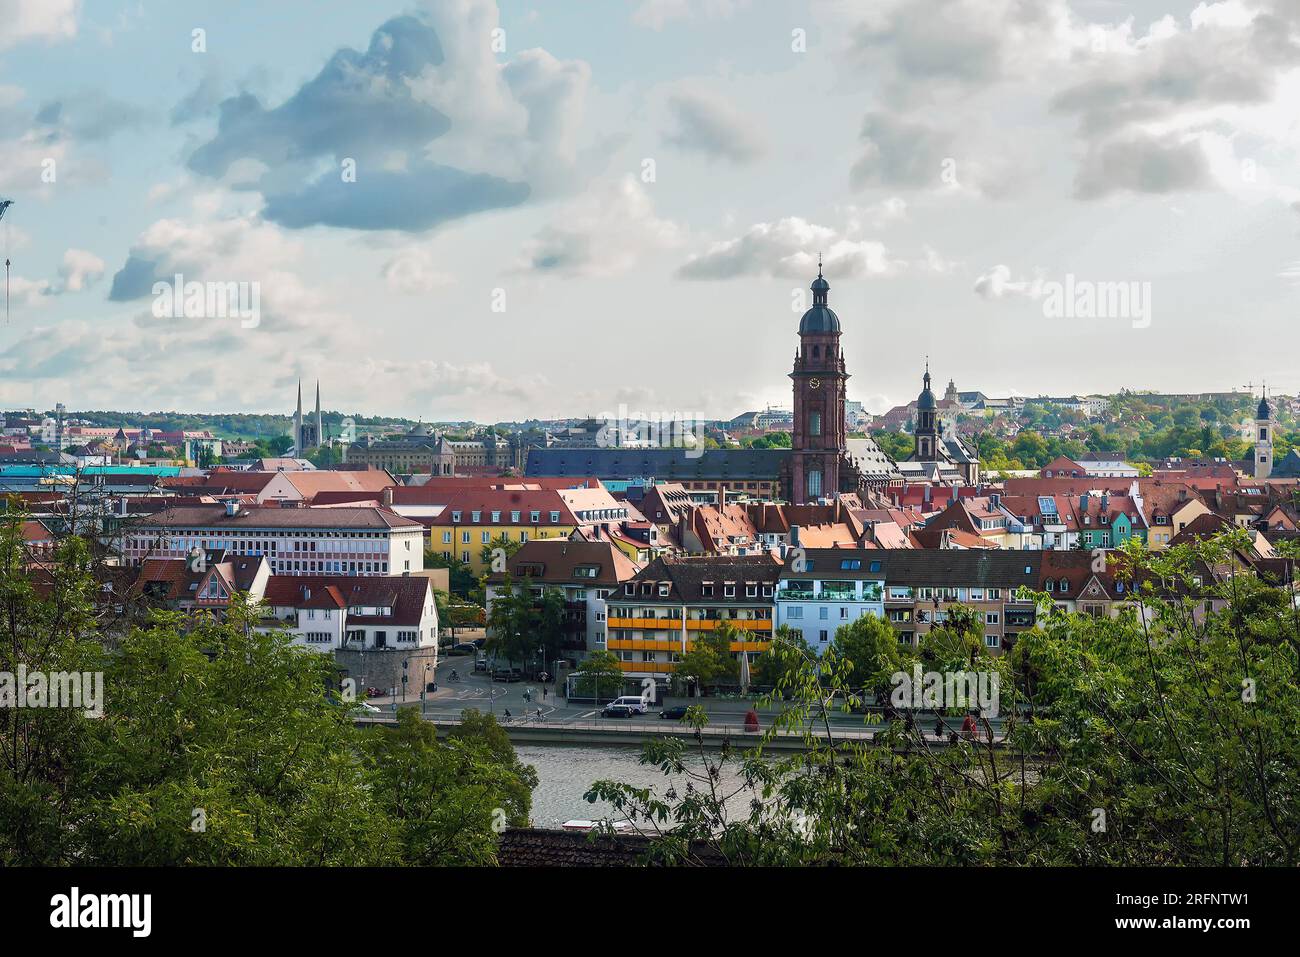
x,y
587,572
296,541
654,617
827,588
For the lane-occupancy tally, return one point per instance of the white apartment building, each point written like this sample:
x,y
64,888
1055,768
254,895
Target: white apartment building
x,y
363,540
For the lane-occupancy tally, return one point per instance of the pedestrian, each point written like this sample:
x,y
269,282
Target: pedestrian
x,y
968,728
543,694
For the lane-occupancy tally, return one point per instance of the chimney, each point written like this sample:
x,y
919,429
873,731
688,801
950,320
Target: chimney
x,y
794,536
722,497
388,497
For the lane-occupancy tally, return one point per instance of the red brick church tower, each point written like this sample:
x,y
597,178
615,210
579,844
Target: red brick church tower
x,y
819,439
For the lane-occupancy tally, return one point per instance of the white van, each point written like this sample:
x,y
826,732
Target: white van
x,y
633,701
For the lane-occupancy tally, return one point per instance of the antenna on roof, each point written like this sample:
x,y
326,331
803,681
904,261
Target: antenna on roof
x,y
4,205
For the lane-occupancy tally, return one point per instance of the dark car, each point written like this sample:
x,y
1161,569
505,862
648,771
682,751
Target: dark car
x,y
616,711
508,674
673,714
375,692
464,648
479,642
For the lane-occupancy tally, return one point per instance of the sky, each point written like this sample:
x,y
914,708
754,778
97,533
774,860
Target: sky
x,y
467,209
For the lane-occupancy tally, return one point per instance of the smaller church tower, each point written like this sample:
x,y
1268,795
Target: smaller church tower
x,y
1264,438
297,424
927,423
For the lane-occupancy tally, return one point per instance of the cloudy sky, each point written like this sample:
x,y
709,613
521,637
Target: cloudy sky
x,y
495,210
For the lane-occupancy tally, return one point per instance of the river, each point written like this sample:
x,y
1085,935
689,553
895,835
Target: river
x,y
565,772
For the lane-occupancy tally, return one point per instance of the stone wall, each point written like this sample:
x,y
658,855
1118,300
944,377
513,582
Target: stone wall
x,y
383,668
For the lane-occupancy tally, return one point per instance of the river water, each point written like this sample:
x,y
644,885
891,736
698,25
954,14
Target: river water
x,y
565,772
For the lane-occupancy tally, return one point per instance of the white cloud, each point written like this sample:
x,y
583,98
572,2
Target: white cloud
x,y
414,271
788,249
998,284
45,20
704,122
604,233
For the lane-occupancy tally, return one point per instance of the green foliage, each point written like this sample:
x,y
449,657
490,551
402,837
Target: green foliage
x,y
870,646
709,661
600,676
221,745
521,623
1167,738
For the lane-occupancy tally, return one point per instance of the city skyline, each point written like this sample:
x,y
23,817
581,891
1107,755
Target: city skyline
x,y
947,182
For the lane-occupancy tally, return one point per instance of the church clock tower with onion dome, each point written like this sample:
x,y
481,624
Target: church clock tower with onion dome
x,y
819,440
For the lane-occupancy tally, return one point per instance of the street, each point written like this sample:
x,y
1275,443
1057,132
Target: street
x,y
524,702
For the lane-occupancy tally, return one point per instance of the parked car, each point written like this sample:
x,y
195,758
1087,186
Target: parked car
x,y
364,708
480,664
464,648
635,702
616,711
673,714
508,674
375,692
479,642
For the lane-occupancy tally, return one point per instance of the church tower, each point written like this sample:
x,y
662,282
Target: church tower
x,y
927,423
819,441
1264,438
297,424
320,434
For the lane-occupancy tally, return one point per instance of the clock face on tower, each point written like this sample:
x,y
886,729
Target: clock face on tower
x,y
814,383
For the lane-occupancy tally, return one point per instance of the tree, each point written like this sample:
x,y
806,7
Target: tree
x,y
600,676
217,744
870,645
1158,739
460,579
447,799
773,666
710,661
500,550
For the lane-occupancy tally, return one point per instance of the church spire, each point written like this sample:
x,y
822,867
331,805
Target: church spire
x,y
297,423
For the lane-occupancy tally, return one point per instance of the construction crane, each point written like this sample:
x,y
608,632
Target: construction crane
x,y
4,207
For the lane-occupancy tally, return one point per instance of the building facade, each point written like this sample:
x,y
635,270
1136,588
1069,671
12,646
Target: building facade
x,y
294,541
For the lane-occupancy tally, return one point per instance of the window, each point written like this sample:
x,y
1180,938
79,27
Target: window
x,y
555,517
814,423
455,517
990,618
796,611
991,641
496,518
476,517
534,516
